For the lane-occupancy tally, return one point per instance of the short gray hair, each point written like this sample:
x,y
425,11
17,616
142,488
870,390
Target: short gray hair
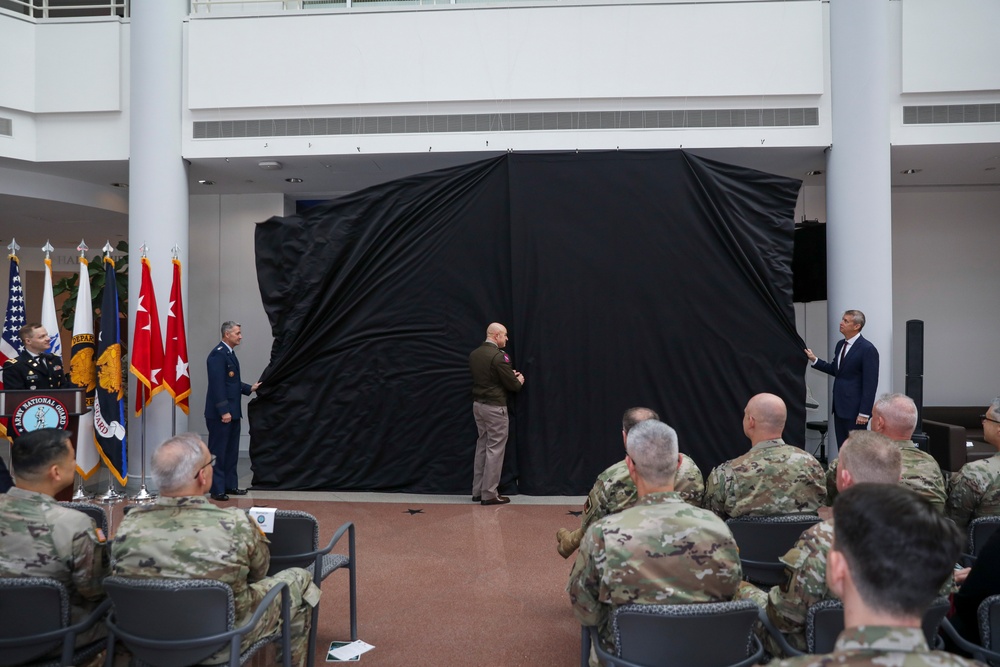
x,y
871,457
229,325
899,412
652,446
176,462
994,407
857,317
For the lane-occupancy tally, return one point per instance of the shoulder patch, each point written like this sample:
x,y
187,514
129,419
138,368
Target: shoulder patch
x,y
99,534
10,362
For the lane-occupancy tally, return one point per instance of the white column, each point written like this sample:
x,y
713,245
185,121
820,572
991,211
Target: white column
x,y
158,189
859,211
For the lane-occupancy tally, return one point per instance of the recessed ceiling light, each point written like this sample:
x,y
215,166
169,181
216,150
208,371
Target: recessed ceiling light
x,y
269,165
911,171
294,180
119,185
814,172
206,182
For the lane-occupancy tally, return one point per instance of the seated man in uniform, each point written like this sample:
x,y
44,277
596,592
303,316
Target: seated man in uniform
x,y
885,595
895,416
35,368
184,536
772,478
864,457
615,491
662,550
975,490
41,538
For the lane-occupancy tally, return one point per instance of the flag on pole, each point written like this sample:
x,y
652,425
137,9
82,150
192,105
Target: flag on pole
x,y
83,373
175,367
49,320
109,404
10,342
147,345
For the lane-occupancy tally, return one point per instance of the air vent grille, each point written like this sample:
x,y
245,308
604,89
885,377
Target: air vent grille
x,y
6,127
951,114
515,122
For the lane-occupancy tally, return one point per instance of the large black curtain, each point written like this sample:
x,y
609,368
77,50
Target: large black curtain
x,y
628,278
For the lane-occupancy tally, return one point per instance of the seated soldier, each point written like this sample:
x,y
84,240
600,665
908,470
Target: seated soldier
x,y
885,596
41,538
864,457
975,490
772,478
614,490
660,551
184,536
895,416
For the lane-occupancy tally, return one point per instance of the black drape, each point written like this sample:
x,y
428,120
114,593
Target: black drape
x,y
627,278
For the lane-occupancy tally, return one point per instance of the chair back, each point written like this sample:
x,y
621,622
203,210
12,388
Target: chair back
x,y
989,622
30,606
172,610
763,540
95,512
825,622
718,634
980,531
294,541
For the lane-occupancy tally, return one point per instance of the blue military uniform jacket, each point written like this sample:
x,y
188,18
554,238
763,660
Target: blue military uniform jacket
x,y
224,384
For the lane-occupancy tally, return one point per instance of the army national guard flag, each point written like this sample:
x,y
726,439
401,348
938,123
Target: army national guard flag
x,y
147,345
109,404
10,342
175,367
83,373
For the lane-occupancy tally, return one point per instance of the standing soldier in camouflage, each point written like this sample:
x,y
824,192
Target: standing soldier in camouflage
x,y
895,416
772,478
184,536
865,457
615,491
492,378
885,596
661,551
975,491
41,538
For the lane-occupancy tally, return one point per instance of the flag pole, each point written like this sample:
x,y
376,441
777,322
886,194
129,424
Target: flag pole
x,y
143,495
111,496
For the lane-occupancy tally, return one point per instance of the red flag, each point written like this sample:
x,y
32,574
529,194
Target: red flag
x,y
147,345
175,370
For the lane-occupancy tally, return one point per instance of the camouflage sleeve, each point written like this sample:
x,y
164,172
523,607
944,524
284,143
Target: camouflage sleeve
x,y
257,550
585,579
690,483
715,491
595,508
90,562
805,584
831,482
962,501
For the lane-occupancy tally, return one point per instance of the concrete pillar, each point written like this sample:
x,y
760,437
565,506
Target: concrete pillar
x,y
859,208
158,189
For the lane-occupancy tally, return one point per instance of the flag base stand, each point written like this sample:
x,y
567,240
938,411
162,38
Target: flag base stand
x,y
143,496
111,496
81,493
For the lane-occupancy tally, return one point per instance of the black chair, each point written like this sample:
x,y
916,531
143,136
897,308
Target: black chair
x,y
980,531
714,634
763,540
986,651
295,543
35,620
180,622
95,512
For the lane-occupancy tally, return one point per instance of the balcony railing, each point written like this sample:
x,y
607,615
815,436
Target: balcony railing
x,y
229,7
59,9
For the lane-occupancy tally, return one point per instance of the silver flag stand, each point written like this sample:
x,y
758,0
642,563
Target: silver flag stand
x,y
111,496
81,493
143,496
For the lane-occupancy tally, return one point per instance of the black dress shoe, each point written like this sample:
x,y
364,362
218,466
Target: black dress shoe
x,y
220,496
236,492
499,500
477,499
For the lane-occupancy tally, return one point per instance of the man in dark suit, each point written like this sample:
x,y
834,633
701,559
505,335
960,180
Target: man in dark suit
x,y
35,368
223,411
855,372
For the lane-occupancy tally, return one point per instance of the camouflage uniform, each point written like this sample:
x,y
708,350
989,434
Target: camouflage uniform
x,y
881,646
41,538
190,538
920,473
615,491
772,478
975,491
661,551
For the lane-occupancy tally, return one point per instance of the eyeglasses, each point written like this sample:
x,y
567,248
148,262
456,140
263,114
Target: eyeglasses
x,y
211,462
985,418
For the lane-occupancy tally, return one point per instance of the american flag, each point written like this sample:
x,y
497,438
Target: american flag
x,y
10,342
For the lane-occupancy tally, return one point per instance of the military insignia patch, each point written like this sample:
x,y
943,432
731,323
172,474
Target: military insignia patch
x,y
506,357
40,412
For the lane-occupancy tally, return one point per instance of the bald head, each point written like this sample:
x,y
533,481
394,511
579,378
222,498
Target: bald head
x,y
894,416
764,418
497,333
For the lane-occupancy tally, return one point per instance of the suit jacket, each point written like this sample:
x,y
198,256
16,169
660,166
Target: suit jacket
x,y
855,384
224,384
27,372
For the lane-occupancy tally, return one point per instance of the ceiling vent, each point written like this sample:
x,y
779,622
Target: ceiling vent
x,y
941,114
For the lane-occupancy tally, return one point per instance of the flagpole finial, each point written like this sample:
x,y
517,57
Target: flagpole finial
x,y
143,249
107,249
82,248
13,247
175,251
47,248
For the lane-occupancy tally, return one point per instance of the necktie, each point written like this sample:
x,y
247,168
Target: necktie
x,y
843,353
